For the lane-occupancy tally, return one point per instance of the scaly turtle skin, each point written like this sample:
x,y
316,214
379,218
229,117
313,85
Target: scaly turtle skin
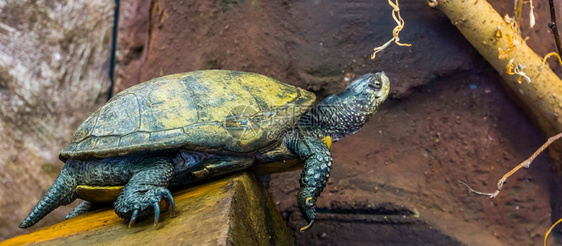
x,y
178,129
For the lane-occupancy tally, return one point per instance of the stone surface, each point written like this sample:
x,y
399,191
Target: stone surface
x,y
235,210
53,74
313,44
412,155
132,42
447,119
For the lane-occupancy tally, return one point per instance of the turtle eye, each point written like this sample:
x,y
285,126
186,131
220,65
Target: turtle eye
x,y
377,85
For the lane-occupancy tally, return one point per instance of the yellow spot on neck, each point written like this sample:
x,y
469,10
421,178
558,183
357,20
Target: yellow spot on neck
x,y
328,141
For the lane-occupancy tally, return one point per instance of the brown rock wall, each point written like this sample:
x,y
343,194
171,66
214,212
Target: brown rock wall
x,y
53,73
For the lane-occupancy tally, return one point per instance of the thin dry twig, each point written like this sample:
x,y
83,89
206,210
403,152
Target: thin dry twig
x,y
470,190
518,8
517,69
550,229
432,3
553,27
531,14
524,164
400,25
549,55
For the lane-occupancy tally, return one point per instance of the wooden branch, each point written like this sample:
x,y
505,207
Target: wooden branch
x,y
497,41
234,210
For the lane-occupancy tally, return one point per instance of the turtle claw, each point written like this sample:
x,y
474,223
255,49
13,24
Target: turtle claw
x,y
170,202
305,228
140,206
156,212
134,216
156,206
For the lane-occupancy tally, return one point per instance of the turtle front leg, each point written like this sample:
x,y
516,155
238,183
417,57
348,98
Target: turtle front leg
x,y
317,159
147,186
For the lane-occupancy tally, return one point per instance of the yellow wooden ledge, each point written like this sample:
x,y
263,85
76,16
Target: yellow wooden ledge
x,y
234,210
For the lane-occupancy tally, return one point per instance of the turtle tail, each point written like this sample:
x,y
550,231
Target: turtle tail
x,y
62,192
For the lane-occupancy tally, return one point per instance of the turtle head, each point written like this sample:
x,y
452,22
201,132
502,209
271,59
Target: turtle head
x,y
344,113
365,94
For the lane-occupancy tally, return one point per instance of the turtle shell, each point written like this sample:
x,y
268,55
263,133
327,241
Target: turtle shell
x,y
212,110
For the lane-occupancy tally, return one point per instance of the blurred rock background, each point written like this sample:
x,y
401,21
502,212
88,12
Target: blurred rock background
x,y
53,74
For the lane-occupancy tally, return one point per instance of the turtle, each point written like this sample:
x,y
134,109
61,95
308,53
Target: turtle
x,y
179,129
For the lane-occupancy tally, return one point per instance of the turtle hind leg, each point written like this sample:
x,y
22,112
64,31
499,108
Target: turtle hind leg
x,y
60,193
84,207
141,196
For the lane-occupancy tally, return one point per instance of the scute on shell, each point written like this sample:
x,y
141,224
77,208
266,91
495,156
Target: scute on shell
x,y
211,110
